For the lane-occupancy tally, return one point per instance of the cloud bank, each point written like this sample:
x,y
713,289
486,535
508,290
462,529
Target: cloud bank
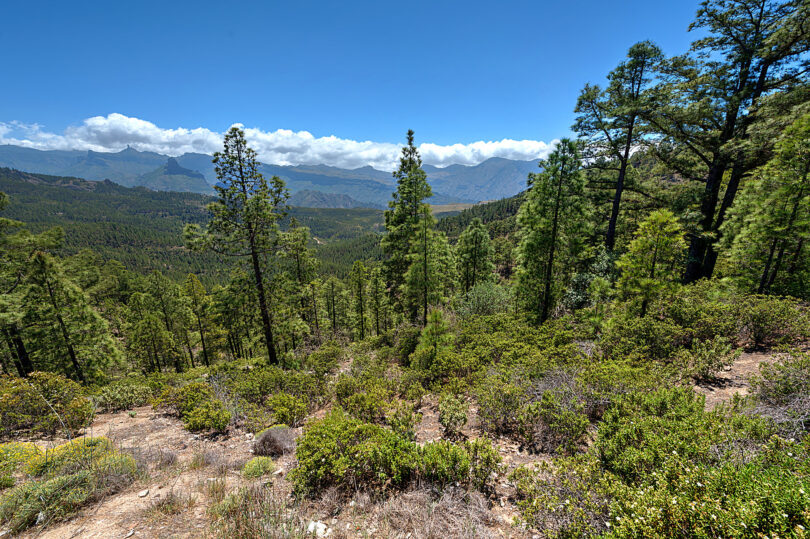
x,y
115,132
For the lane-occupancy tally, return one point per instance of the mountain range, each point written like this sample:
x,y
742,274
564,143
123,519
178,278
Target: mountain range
x,y
315,185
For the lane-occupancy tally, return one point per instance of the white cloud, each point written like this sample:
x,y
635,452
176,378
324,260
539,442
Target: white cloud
x,y
284,147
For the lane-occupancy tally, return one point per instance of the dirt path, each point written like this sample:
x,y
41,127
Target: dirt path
x,y
734,380
178,463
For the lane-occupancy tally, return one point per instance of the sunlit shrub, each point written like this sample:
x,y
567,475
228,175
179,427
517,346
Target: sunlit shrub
x,y
209,415
43,403
257,467
287,409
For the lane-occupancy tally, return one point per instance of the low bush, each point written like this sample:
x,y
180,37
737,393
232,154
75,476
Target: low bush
x,y
452,415
274,442
499,403
342,452
642,339
782,393
182,400
403,419
706,358
567,498
325,359
287,409
443,463
257,467
345,452
770,320
77,454
209,415
765,497
122,395
407,339
642,431
13,457
43,403
553,424
485,299
66,478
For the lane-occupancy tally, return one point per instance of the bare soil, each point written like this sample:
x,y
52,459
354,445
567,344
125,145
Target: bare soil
x,y
735,379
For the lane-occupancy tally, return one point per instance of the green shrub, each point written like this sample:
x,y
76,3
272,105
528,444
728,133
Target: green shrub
x,y
43,403
257,467
642,339
16,455
185,399
403,419
706,358
344,452
122,396
485,299
484,462
644,430
77,454
406,342
499,402
287,409
566,498
553,423
363,397
325,359
771,320
209,415
443,463
452,414
766,497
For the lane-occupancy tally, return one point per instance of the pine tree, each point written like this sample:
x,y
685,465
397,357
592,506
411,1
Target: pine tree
x,y
302,265
200,304
701,112
770,222
244,219
427,281
652,264
404,213
378,301
358,279
63,325
552,222
474,254
609,119
434,340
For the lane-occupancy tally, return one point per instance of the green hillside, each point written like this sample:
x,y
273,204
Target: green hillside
x,y
143,228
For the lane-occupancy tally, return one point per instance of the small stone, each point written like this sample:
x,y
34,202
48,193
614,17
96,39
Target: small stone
x,y
144,493
318,528
130,534
279,472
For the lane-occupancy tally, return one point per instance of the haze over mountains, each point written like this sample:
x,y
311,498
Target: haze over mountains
x,y
310,185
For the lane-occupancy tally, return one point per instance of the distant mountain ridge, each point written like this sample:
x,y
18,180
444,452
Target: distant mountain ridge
x,y
307,198
494,178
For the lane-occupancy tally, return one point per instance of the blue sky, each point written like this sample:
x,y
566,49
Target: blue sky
x,y
455,72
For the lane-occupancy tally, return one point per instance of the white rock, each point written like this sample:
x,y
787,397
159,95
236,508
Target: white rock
x,y
144,493
318,528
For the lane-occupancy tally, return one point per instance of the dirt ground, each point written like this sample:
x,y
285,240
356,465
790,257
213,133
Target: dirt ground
x,y
176,467
188,467
735,379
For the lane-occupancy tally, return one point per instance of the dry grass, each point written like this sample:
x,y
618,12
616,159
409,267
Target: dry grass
x,y
454,513
257,512
170,504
